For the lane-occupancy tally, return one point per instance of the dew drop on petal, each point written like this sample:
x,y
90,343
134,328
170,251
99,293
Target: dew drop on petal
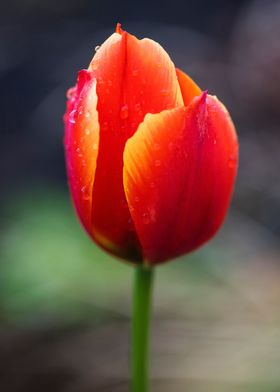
x,y
85,192
70,92
95,65
124,112
79,152
87,131
146,218
97,48
72,116
135,72
136,198
232,161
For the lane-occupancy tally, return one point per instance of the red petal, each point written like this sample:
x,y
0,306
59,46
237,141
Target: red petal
x,y
179,171
81,144
133,78
189,88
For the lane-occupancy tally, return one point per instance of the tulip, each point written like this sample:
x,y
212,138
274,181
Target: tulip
x,y
151,159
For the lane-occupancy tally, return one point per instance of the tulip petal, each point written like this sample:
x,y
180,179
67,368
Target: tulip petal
x,y
81,144
133,78
179,170
189,88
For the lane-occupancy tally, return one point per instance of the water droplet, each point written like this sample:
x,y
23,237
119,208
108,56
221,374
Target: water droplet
x,y
95,65
78,151
110,83
157,163
85,192
94,146
105,125
80,111
72,116
152,185
146,218
159,65
70,92
97,48
137,107
215,141
136,198
87,131
135,72
87,114
232,161
124,112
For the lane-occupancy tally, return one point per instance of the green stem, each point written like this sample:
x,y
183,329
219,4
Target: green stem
x,y
140,328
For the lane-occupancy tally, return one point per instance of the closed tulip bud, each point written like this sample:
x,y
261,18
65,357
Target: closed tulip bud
x,y
151,160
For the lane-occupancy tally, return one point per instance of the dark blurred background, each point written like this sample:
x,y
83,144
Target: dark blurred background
x,y
64,305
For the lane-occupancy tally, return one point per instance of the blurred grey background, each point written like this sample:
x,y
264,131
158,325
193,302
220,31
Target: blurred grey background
x,y
64,305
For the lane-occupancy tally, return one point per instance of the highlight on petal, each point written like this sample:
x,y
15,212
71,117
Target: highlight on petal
x,y
179,171
189,88
81,144
134,77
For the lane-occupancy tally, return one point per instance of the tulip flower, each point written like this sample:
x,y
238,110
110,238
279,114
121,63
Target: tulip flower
x,y
151,159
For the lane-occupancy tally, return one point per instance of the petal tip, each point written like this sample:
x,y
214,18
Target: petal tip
x,y
203,96
119,29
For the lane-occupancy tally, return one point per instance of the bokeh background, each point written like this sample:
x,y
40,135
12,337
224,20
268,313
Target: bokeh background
x,y
64,304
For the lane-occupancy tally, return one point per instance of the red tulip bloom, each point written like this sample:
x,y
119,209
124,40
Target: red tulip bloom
x,y
151,160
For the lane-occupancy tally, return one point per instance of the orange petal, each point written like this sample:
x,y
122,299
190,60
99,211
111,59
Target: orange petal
x,y
81,144
133,78
189,88
179,171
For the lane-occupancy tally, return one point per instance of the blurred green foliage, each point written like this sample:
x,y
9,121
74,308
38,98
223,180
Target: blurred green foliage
x,y
48,265
50,268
